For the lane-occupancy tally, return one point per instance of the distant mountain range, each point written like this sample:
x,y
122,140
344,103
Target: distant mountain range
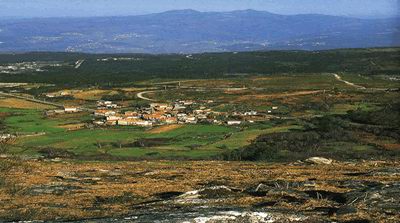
x,y
188,31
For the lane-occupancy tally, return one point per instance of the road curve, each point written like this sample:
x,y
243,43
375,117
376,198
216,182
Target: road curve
x,y
140,95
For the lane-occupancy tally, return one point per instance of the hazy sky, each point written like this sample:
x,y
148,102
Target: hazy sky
x,y
62,8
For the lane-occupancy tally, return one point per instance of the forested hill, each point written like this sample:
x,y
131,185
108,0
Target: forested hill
x,y
188,31
106,69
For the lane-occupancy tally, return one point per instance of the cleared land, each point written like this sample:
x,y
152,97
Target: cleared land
x,y
165,128
20,103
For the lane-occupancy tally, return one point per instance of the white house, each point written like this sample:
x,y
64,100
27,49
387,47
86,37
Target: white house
x,y
144,123
71,109
234,122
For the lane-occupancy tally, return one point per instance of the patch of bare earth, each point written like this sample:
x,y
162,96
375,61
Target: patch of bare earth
x,y
165,128
23,104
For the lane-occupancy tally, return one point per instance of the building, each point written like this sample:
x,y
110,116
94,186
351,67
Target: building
x,y
113,118
250,113
104,113
131,114
71,109
144,123
128,121
234,122
160,107
191,120
171,120
99,122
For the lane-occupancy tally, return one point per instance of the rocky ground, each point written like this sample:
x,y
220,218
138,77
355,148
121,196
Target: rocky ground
x,y
206,191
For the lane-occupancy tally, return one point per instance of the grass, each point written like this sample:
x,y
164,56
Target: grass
x,y
29,121
376,81
244,138
94,142
194,141
190,141
344,108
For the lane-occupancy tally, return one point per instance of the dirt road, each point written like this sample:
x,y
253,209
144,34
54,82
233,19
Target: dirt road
x,y
339,78
140,95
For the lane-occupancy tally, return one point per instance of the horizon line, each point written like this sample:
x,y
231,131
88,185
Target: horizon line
x,y
203,11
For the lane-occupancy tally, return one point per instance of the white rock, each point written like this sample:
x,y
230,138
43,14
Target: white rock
x,y
319,160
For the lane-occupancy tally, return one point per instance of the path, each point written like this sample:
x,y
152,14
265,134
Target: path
x,y
339,78
79,63
140,95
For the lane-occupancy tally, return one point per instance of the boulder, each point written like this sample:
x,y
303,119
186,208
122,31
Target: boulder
x,y
319,160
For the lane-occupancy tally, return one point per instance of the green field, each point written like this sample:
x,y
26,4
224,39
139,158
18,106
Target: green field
x,y
190,141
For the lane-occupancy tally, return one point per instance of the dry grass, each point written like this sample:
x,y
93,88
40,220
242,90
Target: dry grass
x,y
93,94
164,128
94,180
23,104
277,96
72,127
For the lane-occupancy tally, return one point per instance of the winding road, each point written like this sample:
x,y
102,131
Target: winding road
x,y
140,95
339,78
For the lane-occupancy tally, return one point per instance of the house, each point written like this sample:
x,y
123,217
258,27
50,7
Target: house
x,y
50,95
98,122
144,123
201,116
191,120
6,136
234,122
127,121
187,102
131,114
111,122
198,111
65,93
171,120
179,107
104,103
55,112
71,109
217,122
250,113
160,107
154,117
105,113
112,106
113,118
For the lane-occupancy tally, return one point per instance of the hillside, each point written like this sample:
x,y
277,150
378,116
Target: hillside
x,y
111,69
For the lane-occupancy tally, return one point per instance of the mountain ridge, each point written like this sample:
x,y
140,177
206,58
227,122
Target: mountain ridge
x,y
190,31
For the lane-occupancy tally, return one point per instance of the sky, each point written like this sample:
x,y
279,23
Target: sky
x,y
83,8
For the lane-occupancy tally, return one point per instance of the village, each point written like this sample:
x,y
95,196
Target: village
x,y
109,113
